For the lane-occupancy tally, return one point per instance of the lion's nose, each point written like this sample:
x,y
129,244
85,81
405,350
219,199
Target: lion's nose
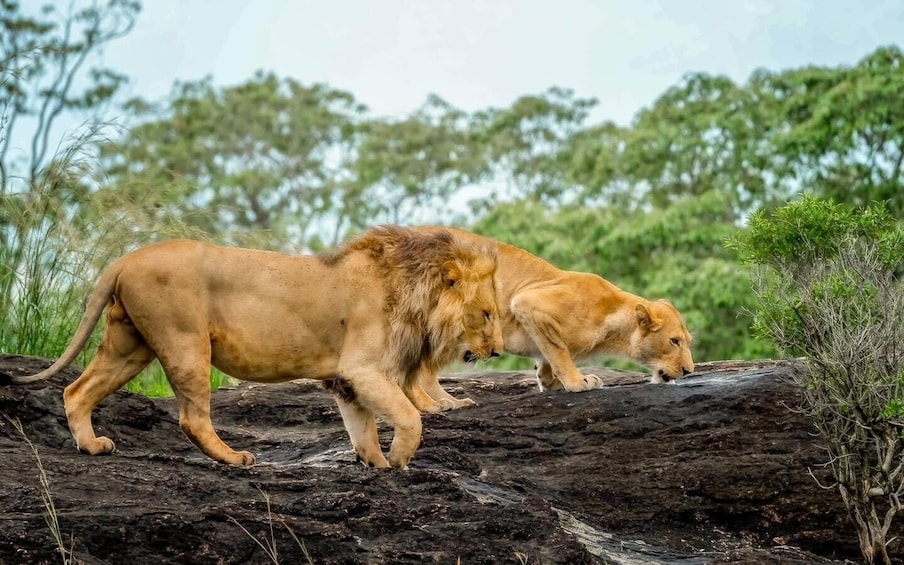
x,y
493,353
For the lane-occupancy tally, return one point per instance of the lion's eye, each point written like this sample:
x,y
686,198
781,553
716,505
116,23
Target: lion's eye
x,y
487,315
676,342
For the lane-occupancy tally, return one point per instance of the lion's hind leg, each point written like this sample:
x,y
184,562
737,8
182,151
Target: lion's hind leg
x,y
362,430
187,368
122,354
375,393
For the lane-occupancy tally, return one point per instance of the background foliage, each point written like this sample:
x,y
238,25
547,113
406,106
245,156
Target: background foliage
x,y
278,163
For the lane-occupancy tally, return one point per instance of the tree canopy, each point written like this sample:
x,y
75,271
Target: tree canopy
x,y
298,166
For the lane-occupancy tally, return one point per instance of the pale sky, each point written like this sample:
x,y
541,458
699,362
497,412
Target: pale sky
x,y
390,54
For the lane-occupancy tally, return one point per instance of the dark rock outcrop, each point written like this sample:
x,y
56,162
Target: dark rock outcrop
x,y
711,470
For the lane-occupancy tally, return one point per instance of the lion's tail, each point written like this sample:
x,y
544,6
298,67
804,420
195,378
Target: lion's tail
x,y
99,298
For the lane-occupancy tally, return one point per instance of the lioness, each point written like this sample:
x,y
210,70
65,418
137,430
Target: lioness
x,y
556,316
364,319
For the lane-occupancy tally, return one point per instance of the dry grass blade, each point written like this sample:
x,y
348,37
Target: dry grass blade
x,y
50,512
269,546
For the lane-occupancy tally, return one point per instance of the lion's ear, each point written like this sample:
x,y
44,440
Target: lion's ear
x,y
645,320
451,273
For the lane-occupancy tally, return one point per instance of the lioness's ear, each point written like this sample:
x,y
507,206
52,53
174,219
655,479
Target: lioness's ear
x,y
451,273
645,320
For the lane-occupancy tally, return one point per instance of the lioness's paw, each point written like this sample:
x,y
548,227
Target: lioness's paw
x,y
435,407
241,458
448,404
462,403
98,446
550,384
586,382
594,381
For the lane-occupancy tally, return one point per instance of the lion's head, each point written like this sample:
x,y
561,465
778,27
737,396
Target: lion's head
x,y
467,306
440,296
661,341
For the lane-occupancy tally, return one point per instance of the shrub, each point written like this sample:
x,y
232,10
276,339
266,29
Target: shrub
x,y
831,296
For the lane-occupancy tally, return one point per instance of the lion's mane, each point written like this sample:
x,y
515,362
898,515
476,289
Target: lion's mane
x,y
419,271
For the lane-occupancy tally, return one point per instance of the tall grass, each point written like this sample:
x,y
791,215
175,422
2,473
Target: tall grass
x,y
58,231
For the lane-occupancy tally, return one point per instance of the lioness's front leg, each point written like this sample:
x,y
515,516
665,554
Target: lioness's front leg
x,y
415,392
544,326
428,396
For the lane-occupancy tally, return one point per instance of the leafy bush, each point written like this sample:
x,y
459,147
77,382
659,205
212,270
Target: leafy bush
x,y
831,296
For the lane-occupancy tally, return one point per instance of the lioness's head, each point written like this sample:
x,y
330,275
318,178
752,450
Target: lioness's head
x,y
661,341
468,304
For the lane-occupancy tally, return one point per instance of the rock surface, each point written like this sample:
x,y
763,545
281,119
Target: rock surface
x,y
710,470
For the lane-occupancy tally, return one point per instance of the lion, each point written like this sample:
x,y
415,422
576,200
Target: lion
x,y
365,320
557,316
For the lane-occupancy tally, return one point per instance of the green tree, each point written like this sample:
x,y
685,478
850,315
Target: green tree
x,y
596,168
42,60
832,131
831,298
704,134
840,132
407,170
266,156
525,144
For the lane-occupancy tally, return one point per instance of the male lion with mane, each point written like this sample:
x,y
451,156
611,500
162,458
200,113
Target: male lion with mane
x,y
365,320
556,316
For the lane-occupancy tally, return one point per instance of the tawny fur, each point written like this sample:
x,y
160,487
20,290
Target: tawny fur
x,y
557,316
369,316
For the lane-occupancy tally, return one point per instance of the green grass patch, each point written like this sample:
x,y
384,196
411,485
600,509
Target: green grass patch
x,y
152,381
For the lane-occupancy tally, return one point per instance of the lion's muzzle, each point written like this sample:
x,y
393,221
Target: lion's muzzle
x,y
471,357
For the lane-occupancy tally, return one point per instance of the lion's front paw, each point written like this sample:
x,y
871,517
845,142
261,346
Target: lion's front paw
x,y
98,446
399,462
374,459
240,459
